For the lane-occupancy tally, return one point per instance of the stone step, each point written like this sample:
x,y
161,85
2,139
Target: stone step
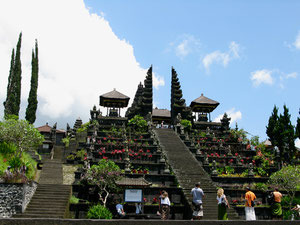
x,y
57,211
189,171
38,216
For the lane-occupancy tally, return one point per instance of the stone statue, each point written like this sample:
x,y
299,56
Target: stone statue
x,y
178,119
250,170
206,162
214,168
207,131
229,150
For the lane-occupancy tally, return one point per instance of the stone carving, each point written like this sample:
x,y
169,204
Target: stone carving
x,y
250,170
214,168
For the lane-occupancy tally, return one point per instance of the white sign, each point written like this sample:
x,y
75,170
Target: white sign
x,y
133,195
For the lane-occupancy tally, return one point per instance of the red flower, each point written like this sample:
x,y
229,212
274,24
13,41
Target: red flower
x,y
148,150
85,158
123,150
105,158
100,153
149,156
236,154
242,160
104,138
141,150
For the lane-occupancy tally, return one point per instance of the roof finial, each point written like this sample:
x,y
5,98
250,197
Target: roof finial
x,y
114,89
201,94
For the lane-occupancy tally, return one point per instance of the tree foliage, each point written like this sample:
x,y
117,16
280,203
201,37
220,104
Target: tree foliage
x,y
282,134
13,96
32,98
270,129
138,123
287,179
104,176
23,135
298,127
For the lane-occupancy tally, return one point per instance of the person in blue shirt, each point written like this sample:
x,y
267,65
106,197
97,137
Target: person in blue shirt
x,y
197,194
120,210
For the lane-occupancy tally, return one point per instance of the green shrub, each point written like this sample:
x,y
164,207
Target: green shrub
x,y
186,124
99,212
66,141
81,154
31,165
138,123
7,148
261,186
74,200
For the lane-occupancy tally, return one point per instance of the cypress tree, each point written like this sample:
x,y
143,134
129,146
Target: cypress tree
x,y
285,136
270,129
8,104
298,127
13,97
32,98
18,77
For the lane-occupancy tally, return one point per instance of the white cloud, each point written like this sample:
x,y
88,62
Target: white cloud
x,y
185,45
80,57
291,75
234,115
297,41
158,81
262,77
297,143
222,58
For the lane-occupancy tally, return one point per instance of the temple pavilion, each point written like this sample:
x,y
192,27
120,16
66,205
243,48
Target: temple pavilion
x,y
202,107
114,101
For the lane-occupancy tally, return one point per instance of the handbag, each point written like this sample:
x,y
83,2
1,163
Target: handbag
x,y
252,204
223,202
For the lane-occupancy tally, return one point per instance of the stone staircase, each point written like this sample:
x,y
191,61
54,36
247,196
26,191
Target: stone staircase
x,y
51,199
188,172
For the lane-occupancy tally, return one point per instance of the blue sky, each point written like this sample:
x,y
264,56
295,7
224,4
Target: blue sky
x,y
264,32
243,54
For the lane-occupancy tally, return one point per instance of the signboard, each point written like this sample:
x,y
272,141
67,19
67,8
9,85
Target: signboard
x,y
133,195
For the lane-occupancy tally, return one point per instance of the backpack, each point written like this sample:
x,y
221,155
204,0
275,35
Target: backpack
x,y
270,198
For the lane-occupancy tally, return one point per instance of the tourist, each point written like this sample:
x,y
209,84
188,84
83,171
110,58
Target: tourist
x,y
276,205
138,208
197,194
297,210
249,205
222,205
120,210
164,205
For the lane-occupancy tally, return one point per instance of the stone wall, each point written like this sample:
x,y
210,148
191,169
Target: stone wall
x,y
14,198
138,222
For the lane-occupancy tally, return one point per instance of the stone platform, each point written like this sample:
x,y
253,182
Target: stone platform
x,y
139,222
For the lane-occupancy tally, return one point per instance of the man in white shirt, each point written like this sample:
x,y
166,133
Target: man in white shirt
x,y
197,194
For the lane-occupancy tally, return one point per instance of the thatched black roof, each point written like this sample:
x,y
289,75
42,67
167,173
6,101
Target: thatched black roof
x,y
114,99
161,113
203,104
126,181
